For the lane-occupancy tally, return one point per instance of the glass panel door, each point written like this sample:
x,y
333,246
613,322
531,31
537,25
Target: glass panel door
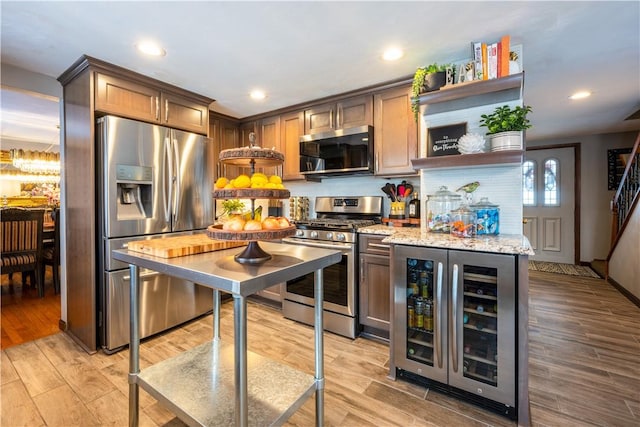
x,y
480,319
420,305
419,283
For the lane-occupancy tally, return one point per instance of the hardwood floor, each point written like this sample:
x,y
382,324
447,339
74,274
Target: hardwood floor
x,y
584,370
24,316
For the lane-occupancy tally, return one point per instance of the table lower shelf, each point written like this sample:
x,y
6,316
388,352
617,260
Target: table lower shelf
x,y
199,386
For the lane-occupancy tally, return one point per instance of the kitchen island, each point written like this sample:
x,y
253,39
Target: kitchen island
x,y
459,310
219,383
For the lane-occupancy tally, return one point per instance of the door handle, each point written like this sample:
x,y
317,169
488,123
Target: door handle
x,y
438,317
143,275
525,220
166,182
454,318
177,178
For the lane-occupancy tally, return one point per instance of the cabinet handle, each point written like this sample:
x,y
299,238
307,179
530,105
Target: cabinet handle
x,y
338,117
438,309
454,318
332,124
166,110
378,245
157,108
377,162
362,271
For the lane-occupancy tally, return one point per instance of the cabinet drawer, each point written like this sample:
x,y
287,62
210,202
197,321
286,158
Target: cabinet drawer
x,y
372,244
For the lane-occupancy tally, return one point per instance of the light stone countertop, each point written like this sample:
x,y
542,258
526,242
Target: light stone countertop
x,y
516,244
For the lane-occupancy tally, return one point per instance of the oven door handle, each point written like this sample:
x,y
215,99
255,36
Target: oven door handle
x,y
336,245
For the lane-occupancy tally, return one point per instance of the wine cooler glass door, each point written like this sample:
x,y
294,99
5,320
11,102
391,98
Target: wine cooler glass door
x,y
483,324
420,322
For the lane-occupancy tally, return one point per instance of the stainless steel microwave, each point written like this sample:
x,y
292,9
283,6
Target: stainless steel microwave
x,y
339,152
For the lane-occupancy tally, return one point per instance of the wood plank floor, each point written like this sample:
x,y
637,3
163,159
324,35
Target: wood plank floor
x,y
584,369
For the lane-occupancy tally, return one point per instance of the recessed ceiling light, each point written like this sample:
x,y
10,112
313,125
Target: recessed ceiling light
x,y
392,54
150,48
580,95
257,95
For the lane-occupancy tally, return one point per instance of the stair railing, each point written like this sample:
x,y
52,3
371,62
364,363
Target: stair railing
x,y
626,197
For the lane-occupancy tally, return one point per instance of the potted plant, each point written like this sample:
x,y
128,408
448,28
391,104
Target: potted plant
x,y
427,79
506,127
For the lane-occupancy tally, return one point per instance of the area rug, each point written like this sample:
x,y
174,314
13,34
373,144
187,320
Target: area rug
x,y
555,267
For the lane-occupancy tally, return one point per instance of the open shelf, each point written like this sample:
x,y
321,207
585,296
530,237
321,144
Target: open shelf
x,y
199,386
473,88
496,158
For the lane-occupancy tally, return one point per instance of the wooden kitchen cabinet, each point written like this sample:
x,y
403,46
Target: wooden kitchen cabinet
x,y
291,129
395,132
135,100
224,133
375,290
346,113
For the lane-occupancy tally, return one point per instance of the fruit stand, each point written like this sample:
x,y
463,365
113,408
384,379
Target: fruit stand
x,y
256,186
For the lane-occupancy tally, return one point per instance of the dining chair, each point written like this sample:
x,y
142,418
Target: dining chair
x,y
21,243
51,252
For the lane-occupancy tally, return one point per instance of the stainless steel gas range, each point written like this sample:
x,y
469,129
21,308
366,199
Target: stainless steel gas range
x,y
336,225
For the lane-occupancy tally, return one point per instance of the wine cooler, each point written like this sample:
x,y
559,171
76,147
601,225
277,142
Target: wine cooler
x,y
454,322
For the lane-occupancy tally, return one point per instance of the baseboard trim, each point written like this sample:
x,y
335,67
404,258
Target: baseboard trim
x,y
631,297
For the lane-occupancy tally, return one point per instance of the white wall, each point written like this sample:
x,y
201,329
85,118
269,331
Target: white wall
x,y
624,265
348,186
595,198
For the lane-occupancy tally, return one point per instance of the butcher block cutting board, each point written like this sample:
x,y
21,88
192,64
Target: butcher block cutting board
x,y
172,247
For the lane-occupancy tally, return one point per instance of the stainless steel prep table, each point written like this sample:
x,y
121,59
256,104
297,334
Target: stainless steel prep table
x,y
223,384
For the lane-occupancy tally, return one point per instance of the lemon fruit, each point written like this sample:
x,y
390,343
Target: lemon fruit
x,y
242,181
259,178
270,185
221,182
275,179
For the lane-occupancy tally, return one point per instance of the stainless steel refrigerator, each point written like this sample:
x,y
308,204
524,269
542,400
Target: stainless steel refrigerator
x,y
155,182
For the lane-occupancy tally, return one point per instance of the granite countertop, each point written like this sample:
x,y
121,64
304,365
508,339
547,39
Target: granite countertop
x,y
516,244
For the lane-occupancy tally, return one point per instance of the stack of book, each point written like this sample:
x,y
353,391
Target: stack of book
x,y
491,60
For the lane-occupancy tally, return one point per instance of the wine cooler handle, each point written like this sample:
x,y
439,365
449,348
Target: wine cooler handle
x,y
438,309
454,320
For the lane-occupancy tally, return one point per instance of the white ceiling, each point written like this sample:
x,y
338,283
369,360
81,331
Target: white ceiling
x,y
301,51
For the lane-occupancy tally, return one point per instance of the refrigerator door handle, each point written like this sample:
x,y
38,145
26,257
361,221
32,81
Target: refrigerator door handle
x,y
454,318
438,309
177,181
166,179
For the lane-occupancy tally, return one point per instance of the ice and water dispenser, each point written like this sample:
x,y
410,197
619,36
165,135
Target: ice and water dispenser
x,y
134,185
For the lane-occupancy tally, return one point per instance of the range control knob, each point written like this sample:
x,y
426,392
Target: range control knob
x,y
340,237
329,235
299,233
314,234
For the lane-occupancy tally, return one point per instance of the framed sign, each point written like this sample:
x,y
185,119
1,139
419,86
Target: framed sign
x,y
616,162
443,140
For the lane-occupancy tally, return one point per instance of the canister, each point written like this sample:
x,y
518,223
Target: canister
x,y
463,222
439,207
487,217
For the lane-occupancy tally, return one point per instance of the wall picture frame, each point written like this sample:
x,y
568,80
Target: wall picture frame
x,y
443,140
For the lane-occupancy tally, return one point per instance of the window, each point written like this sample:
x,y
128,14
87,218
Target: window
x,y
529,183
551,184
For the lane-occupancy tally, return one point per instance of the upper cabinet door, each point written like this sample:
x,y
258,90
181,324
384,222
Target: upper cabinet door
x,y
320,118
137,101
291,129
126,98
354,112
346,113
183,113
395,132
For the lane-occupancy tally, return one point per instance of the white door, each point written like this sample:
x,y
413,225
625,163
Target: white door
x,y
549,203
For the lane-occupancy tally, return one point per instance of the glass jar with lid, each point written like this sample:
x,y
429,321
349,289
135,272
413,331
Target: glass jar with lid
x,y
463,222
439,207
487,217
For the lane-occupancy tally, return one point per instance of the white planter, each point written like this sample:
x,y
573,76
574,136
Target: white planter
x,y
504,141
